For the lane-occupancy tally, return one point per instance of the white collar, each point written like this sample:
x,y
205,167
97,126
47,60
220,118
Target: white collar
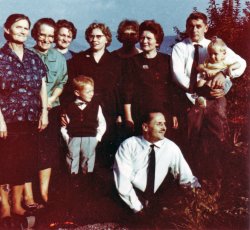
x,y
147,144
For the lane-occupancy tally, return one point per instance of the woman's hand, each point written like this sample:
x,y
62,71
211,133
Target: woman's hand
x,y
51,100
175,122
119,119
43,121
3,129
129,124
64,120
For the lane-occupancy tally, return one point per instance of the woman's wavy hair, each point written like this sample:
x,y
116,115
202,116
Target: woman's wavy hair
x,y
105,30
36,27
11,20
66,24
153,27
125,25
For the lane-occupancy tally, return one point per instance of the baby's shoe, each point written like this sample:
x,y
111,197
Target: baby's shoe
x,y
201,102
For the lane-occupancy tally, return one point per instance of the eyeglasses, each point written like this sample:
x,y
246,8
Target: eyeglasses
x,y
98,36
44,36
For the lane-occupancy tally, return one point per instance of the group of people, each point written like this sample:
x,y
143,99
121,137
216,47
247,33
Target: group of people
x,y
96,99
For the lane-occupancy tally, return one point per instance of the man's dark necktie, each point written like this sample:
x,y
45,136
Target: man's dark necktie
x,y
151,174
193,77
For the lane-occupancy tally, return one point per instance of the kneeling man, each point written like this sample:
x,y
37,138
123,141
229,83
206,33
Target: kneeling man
x,y
143,162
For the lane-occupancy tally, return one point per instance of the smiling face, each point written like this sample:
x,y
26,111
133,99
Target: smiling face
x,y
155,129
19,31
97,40
45,37
64,38
86,93
216,54
148,41
196,29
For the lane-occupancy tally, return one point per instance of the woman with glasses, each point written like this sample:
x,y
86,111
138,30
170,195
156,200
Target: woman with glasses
x,y
105,69
147,85
43,33
23,113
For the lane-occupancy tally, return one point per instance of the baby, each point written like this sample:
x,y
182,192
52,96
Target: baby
x,y
216,62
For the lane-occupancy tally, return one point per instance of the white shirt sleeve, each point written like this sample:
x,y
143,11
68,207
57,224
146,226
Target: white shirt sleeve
x,y
232,57
179,65
182,170
102,126
122,175
64,130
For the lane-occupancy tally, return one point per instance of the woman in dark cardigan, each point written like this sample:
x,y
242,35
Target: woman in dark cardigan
x,y
147,85
105,69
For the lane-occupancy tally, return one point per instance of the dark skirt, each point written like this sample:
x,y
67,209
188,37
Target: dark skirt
x,y
49,142
18,153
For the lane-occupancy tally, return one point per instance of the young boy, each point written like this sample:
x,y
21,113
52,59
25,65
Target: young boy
x,y
85,126
216,62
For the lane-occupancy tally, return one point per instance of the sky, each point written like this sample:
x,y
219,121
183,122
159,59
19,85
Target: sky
x,y
168,13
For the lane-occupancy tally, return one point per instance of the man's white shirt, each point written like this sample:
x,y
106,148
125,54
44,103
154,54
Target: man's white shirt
x,y
131,163
182,60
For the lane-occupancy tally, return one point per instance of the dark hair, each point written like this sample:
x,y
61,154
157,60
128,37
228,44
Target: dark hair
x,y
66,24
154,28
127,24
11,20
105,30
36,27
147,116
195,16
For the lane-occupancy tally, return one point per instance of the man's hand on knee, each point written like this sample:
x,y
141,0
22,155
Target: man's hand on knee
x,y
217,93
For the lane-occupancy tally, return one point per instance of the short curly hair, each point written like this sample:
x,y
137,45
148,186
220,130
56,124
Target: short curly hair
x,y
66,24
153,27
127,24
11,20
36,27
105,30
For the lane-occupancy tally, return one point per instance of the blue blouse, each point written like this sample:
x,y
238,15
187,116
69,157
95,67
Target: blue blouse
x,y
20,85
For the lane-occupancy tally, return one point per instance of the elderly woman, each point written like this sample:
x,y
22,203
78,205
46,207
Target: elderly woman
x,y
65,34
43,32
147,86
105,69
23,113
